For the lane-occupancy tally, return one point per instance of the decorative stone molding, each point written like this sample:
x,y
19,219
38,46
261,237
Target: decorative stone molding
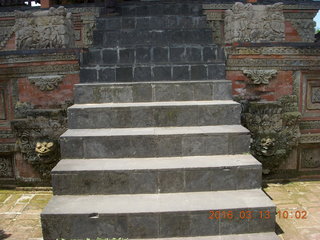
x,y
274,128
46,83
254,23
44,29
301,50
310,138
6,168
260,76
283,64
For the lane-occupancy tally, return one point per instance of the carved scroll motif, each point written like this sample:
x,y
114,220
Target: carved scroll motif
x,y
46,83
260,76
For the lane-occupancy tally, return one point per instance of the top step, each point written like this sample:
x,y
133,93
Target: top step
x,y
158,9
162,91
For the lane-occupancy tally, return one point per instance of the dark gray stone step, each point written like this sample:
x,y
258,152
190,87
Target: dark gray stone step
x,y
154,114
196,53
154,37
152,91
157,215
156,175
159,9
251,236
151,22
154,142
152,72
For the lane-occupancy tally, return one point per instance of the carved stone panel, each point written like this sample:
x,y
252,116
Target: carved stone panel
x,y
315,95
6,167
44,29
254,23
310,158
2,105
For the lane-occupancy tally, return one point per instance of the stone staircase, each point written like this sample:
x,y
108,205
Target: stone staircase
x,y
154,141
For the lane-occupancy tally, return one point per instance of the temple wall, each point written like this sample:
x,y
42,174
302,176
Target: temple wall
x,y
274,66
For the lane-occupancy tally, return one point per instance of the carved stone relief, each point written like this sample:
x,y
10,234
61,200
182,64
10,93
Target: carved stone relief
x,y
46,83
6,167
44,29
260,76
274,127
254,23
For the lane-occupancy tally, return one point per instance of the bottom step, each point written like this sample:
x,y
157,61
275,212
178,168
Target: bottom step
x,y
158,215
254,236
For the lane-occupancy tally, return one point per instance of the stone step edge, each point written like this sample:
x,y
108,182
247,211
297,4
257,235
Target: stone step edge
x,y
161,163
151,82
157,131
251,236
154,104
158,203
97,66
146,45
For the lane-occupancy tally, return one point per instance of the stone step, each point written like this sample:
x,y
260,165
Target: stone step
x,y
158,215
154,114
251,236
154,142
151,22
156,175
151,54
152,91
159,9
152,72
155,37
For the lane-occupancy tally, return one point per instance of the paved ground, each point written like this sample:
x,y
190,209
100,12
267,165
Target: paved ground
x,y
299,219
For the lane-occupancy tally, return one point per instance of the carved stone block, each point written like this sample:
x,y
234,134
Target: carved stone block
x,y
254,23
44,29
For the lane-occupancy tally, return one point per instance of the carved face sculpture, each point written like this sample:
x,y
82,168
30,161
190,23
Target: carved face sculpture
x,y
44,148
267,146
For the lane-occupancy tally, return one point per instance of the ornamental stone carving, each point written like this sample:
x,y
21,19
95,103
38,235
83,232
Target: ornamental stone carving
x,y
305,28
37,139
274,128
6,168
46,83
260,76
254,23
44,29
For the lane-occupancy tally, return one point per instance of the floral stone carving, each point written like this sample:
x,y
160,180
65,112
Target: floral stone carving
x,y
254,23
274,127
46,83
44,29
260,76
37,139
